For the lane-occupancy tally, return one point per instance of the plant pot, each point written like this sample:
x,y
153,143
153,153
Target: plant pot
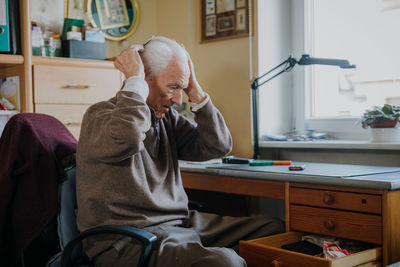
x,y
384,124
384,135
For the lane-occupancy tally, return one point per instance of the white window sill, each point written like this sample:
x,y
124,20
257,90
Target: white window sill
x,y
330,144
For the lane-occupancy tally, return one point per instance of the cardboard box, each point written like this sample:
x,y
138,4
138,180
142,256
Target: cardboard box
x,y
84,49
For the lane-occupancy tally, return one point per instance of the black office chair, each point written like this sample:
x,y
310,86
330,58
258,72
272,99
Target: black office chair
x,y
72,253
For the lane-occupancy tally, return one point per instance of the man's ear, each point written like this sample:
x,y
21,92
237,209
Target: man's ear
x,y
147,72
148,76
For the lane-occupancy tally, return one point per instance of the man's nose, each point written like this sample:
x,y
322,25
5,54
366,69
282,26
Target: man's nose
x,y
177,98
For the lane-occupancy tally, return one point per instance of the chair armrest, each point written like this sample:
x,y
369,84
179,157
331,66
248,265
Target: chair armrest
x,y
193,205
143,236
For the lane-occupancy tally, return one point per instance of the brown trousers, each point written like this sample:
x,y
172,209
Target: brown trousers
x,y
206,239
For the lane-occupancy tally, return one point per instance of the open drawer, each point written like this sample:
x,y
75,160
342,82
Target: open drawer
x,y
267,251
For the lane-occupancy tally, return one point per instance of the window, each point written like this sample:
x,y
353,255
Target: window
x,y
358,30
327,98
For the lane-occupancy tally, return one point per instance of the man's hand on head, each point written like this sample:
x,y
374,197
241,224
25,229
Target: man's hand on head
x,y
129,62
193,91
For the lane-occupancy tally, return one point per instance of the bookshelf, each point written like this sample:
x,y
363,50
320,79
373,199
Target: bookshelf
x,y
21,65
10,60
65,71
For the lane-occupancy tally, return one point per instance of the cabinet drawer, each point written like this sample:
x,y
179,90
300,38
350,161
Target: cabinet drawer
x,y
336,199
351,225
267,251
74,85
70,115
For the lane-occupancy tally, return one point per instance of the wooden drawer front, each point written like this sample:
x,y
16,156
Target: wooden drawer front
x,y
351,225
267,252
233,185
70,115
73,85
335,199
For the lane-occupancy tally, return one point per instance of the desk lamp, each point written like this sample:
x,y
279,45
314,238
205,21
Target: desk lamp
x,y
289,64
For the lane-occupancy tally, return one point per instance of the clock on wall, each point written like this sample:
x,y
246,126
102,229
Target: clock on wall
x,y
118,19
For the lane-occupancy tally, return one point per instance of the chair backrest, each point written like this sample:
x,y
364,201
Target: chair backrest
x,y
68,229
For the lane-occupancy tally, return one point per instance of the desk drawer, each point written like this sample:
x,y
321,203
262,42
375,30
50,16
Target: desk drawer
x,y
336,199
74,85
351,225
267,251
70,115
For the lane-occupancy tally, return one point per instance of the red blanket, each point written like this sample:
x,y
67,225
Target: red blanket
x,y
31,148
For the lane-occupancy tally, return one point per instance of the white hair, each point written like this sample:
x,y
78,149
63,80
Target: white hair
x,y
158,53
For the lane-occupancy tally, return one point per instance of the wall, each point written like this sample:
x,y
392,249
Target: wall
x,y
147,27
222,67
275,46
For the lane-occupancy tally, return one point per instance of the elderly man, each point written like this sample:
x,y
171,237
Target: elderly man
x,y
127,165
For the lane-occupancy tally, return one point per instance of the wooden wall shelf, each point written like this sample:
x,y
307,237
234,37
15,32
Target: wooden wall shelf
x,y
11,59
72,62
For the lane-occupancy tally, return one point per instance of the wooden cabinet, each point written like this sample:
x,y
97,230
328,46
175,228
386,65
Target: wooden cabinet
x,y
339,213
61,87
354,212
349,213
65,88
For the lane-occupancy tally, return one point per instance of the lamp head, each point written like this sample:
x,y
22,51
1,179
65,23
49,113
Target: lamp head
x,y
342,63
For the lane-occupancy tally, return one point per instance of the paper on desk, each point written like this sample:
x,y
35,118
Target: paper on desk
x,y
315,169
207,162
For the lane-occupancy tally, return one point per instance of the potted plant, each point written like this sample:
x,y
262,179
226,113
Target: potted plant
x,y
383,121
381,117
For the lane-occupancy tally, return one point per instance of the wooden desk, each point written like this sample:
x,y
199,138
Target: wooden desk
x,y
360,207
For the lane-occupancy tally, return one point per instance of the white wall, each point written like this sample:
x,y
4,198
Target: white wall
x,y
274,46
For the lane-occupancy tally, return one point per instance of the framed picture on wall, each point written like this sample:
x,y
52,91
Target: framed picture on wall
x,y
224,19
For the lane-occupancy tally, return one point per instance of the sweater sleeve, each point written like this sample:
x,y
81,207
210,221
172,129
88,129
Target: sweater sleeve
x,y
114,130
209,139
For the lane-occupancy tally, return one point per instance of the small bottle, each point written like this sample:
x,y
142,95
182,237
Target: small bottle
x,y
54,44
44,46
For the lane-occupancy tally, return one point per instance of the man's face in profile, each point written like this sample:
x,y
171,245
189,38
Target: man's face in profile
x,y
165,89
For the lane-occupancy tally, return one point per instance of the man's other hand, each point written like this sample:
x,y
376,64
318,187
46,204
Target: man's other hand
x,y
193,91
129,62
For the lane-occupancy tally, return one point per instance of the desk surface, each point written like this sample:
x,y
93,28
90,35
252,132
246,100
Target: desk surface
x,y
362,176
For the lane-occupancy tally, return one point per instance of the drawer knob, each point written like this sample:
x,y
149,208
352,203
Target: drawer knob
x,y
276,263
328,199
329,225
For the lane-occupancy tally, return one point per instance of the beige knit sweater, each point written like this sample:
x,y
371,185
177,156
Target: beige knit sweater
x,y
127,162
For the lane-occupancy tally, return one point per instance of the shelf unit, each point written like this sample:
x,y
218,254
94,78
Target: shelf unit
x,y
22,65
50,91
10,60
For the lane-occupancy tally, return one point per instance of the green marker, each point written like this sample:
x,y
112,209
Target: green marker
x,y
270,163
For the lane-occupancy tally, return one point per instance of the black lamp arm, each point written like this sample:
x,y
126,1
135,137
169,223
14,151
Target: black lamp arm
x,y
291,62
